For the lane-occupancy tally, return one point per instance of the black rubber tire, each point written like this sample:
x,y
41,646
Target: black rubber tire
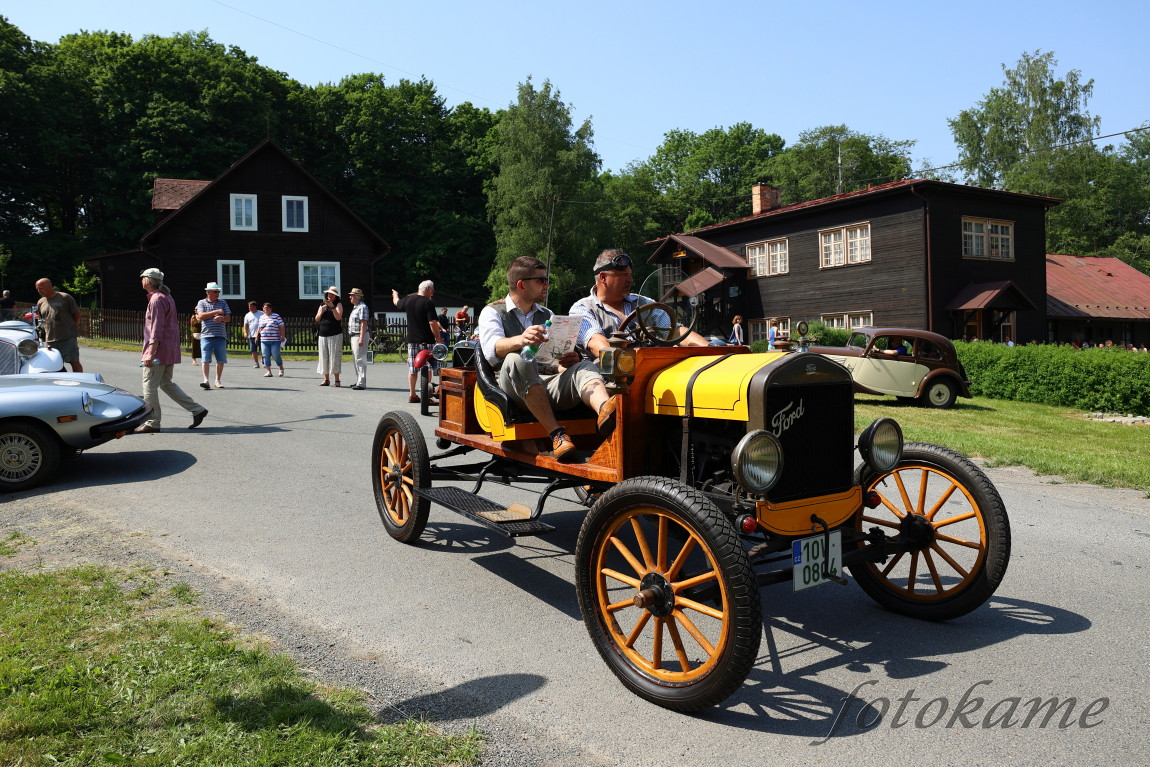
x,y
399,463
727,616
29,456
973,513
940,394
424,390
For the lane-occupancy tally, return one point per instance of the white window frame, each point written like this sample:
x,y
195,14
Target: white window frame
x,y
845,245
284,200
784,324
223,284
836,321
856,320
242,226
321,287
778,257
760,330
987,239
757,259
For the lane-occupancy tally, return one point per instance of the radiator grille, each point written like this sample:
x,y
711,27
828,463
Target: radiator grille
x,y
9,360
815,424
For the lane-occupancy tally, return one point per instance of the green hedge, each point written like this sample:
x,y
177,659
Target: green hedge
x,y
1099,379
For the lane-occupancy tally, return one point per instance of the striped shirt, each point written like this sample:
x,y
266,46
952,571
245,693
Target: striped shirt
x,y
271,327
213,328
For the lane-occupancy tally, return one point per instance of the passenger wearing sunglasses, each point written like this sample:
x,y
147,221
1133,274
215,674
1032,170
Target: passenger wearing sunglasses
x,y
611,300
507,327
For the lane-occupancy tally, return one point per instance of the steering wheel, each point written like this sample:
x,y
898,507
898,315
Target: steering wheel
x,y
657,323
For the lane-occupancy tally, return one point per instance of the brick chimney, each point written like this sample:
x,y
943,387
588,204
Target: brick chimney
x,y
764,197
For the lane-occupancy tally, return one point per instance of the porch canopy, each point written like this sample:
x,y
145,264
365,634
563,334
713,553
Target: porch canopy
x,y
700,282
1003,296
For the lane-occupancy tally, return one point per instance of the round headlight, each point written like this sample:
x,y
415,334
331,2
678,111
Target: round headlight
x,y
758,461
625,362
28,347
880,444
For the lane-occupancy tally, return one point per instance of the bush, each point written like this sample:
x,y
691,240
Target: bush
x,y
1099,379
821,334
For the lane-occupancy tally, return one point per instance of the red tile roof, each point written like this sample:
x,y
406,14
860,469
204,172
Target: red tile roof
x,y
881,188
1089,286
172,193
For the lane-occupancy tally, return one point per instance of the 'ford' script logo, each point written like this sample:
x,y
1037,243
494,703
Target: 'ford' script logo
x,y
786,417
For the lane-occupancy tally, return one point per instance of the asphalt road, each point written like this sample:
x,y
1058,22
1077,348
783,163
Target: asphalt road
x,y
267,508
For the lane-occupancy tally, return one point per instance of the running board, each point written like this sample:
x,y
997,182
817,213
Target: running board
x,y
513,521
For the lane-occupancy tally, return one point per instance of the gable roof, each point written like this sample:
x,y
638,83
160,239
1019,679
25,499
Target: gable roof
x,y
716,255
893,187
172,193
1090,286
1003,294
267,145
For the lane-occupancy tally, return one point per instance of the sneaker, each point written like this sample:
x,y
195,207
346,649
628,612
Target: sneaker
x,y
562,448
198,418
219,385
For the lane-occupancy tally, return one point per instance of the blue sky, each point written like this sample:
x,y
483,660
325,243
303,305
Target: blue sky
x,y
639,69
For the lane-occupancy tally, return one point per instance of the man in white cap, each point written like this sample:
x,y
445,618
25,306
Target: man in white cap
x,y
161,353
213,314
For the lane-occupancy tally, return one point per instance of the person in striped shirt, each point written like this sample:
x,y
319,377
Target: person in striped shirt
x,y
272,335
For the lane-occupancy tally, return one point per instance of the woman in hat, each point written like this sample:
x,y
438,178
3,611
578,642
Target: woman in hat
x,y
329,317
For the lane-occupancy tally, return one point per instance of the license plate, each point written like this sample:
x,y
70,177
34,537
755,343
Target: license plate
x,y
808,555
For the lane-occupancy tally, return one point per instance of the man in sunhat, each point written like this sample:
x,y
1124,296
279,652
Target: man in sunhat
x,y
161,353
213,314
359,328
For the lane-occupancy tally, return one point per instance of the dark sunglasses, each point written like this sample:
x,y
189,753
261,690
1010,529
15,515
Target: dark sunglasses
x,y
541,279
621,261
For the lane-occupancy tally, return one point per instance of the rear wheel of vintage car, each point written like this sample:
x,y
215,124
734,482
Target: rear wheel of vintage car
x,y
667,593
940,393
29,455
953,516
399,464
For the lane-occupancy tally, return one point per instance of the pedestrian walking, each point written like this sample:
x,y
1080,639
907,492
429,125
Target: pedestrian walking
x,y
214,314
161,353
272,335
251,331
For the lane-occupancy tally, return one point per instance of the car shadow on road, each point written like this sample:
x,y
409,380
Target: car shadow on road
x,y
121,467
781,695
469,700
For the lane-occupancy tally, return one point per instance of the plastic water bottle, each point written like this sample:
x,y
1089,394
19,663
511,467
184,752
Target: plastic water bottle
x,y
155,363
528,354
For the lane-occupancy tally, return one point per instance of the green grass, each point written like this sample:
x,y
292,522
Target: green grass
x,y
101,666
1049,440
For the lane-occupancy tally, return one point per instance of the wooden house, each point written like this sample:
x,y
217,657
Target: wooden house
x,y
265,230
954,259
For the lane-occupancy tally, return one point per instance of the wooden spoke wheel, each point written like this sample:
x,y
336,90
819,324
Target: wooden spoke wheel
x,y
399,464
657,323
667,593
956,523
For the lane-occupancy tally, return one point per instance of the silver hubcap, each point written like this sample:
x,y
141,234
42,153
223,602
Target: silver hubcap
x,y
20,457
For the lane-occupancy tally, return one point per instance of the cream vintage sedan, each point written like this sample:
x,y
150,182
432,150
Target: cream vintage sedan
x,y
913,365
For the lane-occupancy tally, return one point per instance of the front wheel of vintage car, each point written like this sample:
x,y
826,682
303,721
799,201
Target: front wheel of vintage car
x,y
667,593
940,393
29,455
955,523
399,464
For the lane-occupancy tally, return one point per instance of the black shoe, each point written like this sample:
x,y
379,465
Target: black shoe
x,y
198,418
205,386
359,388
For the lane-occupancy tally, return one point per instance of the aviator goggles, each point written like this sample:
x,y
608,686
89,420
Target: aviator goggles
x,y
621,261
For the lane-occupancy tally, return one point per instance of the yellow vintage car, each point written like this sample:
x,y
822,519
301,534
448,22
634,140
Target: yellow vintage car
x,y
727,471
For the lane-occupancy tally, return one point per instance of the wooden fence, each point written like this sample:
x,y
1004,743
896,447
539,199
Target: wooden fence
x,y
124,325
